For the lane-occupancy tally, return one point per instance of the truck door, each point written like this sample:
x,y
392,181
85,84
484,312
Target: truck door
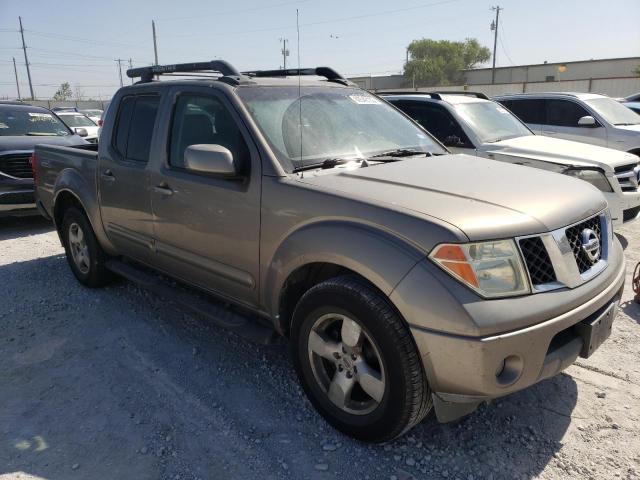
x,y
207,228
124,179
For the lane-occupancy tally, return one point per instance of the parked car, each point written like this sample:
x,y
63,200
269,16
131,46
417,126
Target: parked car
x,y
22,126
635,106
633,98
470,123
81,124
404,276
94,114
584,117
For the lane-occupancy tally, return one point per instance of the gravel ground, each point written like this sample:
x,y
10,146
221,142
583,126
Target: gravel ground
x,y
118,384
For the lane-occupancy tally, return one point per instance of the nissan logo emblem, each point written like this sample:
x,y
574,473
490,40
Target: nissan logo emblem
x,y
590,245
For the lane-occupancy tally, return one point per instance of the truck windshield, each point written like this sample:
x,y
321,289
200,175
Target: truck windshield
x,y
614,112
22,122
491,122
330,123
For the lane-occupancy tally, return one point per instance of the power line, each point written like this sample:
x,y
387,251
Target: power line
x,y
70,38
232,12
504,49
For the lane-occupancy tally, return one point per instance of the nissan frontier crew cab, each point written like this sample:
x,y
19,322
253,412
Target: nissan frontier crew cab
x,y
405,278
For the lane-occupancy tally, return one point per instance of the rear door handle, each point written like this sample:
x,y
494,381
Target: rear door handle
x,y
163,189
108,175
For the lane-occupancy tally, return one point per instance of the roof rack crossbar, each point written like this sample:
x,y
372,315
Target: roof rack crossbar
x,y
327,72
146,74
434,95
464,92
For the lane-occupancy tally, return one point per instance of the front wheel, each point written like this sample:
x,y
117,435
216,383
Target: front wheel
x,y
357,360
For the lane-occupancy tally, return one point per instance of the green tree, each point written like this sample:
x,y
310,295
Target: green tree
x,y
440,62
63,93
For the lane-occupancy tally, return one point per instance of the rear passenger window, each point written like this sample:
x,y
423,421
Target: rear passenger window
x,y
564,113
135,121
141,131
527,110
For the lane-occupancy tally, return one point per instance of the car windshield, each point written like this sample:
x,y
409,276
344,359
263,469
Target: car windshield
x,y
22,122
77,121
491,122
319,123
613,112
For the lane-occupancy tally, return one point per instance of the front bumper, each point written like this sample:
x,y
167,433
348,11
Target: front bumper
x,y
17,201
465,370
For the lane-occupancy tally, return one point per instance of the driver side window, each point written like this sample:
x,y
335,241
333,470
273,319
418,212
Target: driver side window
x,y
198,120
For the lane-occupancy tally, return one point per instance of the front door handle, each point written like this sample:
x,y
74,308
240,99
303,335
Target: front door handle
x,y
163,189
108,175
549,132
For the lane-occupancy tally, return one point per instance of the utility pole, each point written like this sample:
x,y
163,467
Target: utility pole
x,y
15,70
119,60
155,42
131,66
26,60
285,52
494,27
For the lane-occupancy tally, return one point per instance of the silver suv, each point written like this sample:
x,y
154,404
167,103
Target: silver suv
x,y
584,117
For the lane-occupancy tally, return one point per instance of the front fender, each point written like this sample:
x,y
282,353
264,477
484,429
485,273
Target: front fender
x,y
85,192
379,256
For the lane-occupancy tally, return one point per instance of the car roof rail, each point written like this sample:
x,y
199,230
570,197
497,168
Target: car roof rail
x,y
221,67
481,95
434,95
327,72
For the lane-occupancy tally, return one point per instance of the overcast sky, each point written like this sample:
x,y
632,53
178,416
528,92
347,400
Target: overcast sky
x,y
78,41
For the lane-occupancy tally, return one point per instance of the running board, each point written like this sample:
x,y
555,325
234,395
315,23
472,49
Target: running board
x,y
195,302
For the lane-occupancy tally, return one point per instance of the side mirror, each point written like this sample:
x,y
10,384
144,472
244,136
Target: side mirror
x,y
82,132
210,159
587,121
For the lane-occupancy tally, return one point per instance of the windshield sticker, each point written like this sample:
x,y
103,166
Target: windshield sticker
x,y
361,99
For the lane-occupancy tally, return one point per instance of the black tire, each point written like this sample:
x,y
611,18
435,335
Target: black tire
x,y
95,275
407,397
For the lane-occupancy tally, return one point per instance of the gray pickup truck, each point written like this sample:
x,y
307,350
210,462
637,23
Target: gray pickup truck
x,y
404,276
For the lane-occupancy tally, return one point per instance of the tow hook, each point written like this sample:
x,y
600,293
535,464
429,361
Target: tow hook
x,y
636,283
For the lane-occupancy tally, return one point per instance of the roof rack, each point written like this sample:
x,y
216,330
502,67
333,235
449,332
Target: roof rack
x,y
327,72
222,67
464,92
434,95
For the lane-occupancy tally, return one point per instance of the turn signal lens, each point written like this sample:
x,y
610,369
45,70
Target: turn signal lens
x,y
492,269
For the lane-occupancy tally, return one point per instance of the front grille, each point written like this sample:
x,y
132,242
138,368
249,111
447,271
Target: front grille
x,y
16,165
538,262
574,236
628,177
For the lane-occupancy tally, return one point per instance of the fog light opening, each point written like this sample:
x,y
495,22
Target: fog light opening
x,y
509,370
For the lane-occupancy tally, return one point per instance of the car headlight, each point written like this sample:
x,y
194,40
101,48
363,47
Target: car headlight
x,y
594,177
492,269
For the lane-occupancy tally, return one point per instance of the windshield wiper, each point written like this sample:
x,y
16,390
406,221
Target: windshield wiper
x,y
626,124
402,152
326,163
41,134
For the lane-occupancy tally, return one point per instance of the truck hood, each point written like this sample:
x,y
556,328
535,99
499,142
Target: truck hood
x,y
27,143
561,152
483,198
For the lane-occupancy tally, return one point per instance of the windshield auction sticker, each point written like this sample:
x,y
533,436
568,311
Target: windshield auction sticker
x,y
364,99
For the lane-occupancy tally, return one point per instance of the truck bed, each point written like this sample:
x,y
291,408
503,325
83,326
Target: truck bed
x,y
55,164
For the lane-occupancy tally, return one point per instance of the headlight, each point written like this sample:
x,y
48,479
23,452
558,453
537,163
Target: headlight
x,y
594,177
493,269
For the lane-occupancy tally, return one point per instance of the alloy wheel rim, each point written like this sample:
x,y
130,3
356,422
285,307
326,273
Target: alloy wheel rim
x,y
79,248
346,364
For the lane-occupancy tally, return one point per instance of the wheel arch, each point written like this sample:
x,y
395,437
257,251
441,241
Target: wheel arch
x,y
311,255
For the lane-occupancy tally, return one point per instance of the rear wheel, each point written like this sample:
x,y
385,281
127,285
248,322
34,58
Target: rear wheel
x,y
84,254
357,361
